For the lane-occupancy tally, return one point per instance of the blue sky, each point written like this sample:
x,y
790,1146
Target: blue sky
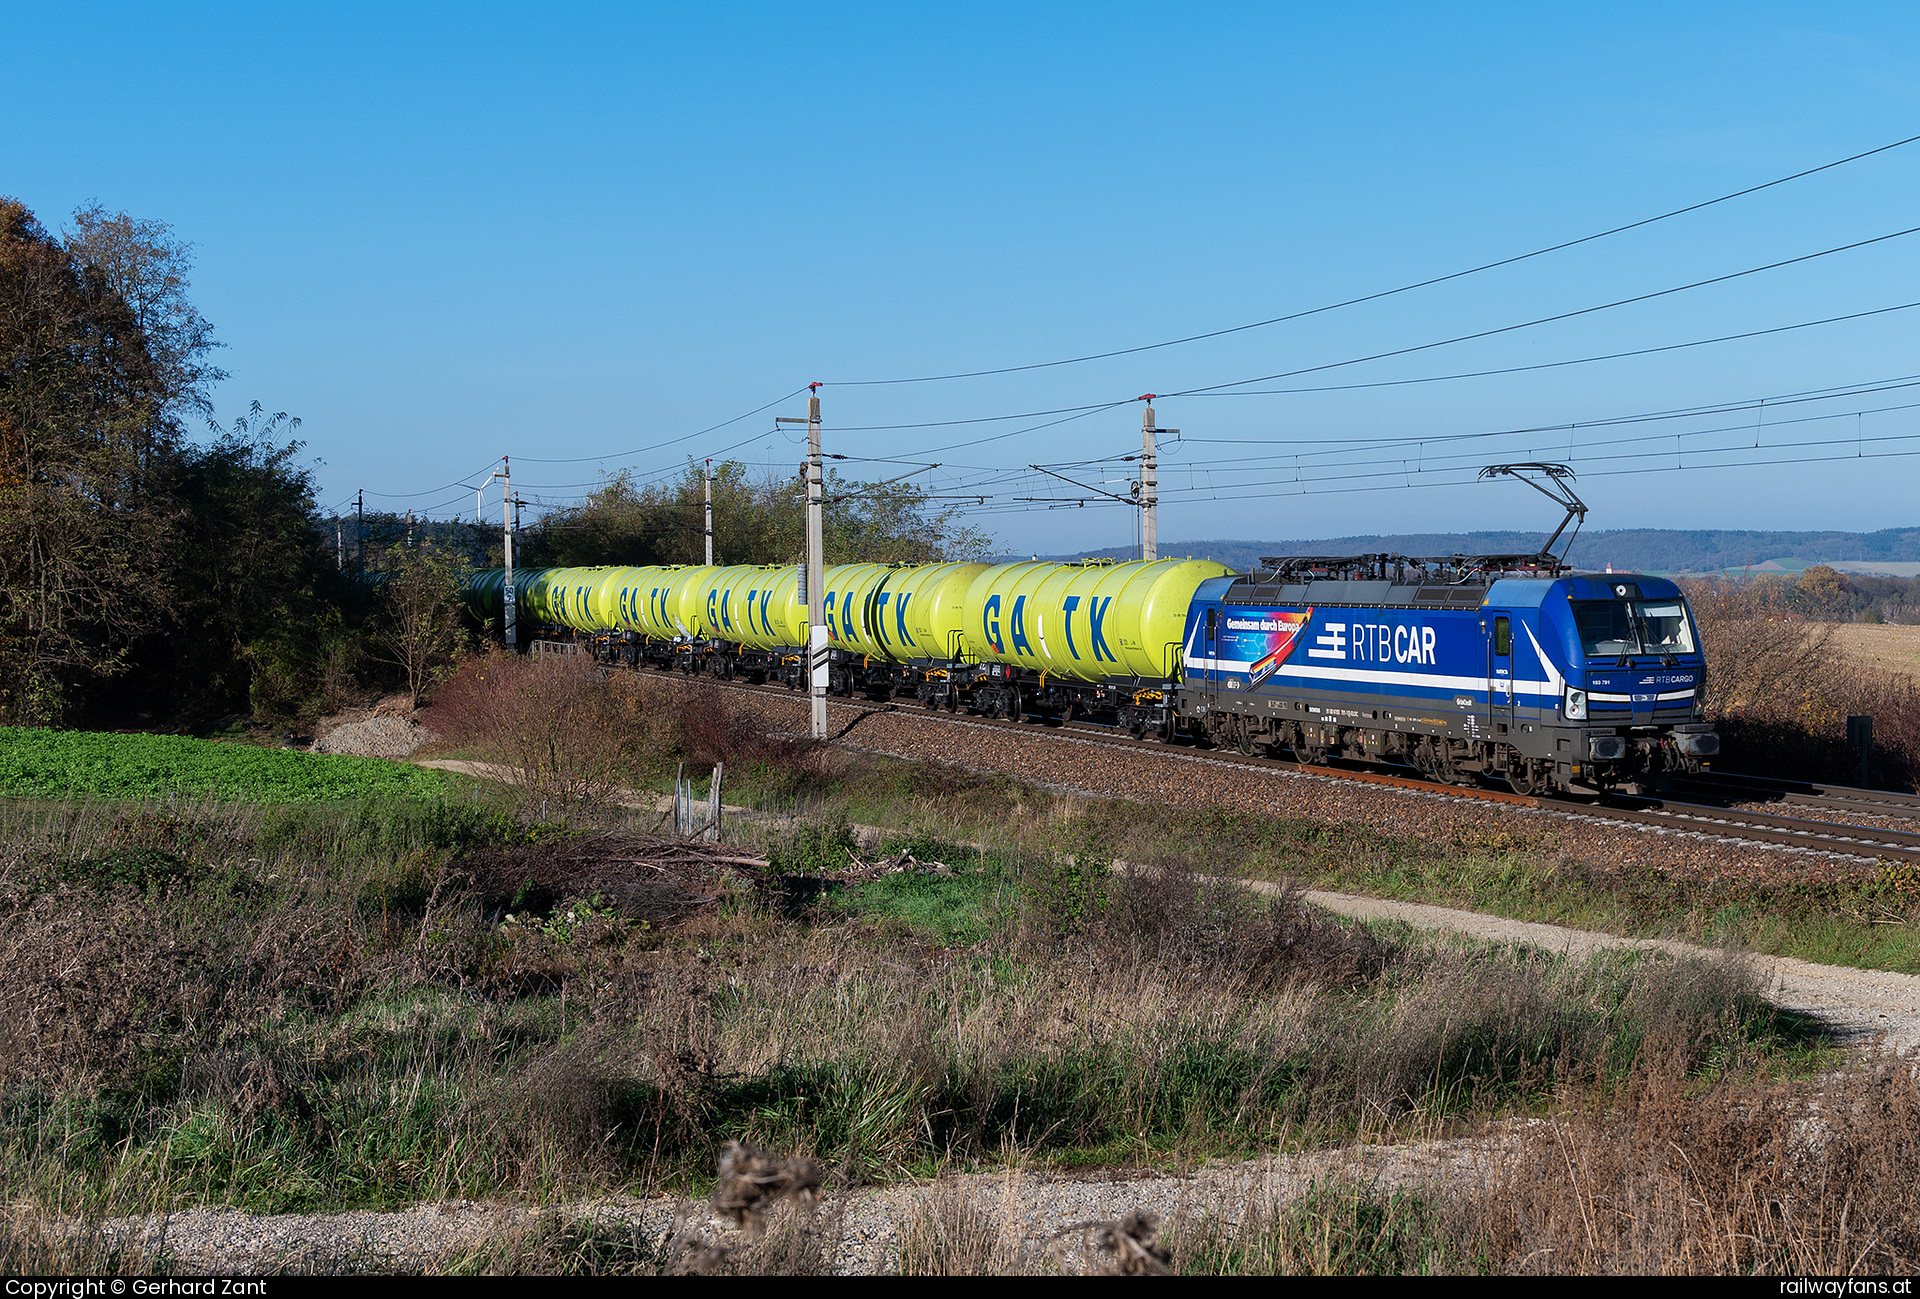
x,y
442,233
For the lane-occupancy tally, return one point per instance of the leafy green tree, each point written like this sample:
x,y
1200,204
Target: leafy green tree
x,y
254,577
86,538
418,628
755,521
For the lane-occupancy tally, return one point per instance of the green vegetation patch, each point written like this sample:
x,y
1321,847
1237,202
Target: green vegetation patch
x,y
955,910
41,763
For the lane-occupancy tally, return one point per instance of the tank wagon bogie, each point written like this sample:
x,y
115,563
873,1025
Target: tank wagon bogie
x,y
1460,670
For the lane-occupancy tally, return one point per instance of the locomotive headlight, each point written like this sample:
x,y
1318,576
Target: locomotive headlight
x,y
1576,705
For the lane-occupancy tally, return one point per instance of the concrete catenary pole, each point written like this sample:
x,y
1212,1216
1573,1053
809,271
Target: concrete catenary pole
x,y
709,483
508,627
813,572
360,530
816,568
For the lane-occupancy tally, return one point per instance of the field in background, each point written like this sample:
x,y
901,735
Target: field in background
x,y
1884,647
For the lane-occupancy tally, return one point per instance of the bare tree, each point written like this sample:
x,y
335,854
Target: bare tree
x,y
145,266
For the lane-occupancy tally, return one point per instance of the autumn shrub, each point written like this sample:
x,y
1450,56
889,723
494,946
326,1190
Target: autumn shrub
x,y
570,731
565,730
1780,691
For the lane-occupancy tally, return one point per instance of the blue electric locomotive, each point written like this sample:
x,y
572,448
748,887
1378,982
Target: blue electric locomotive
x,y
1460,668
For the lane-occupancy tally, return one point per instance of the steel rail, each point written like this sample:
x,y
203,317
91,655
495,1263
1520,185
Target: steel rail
x,y
1847,798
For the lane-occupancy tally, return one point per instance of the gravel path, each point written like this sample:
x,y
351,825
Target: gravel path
x,y
1857,1006
866,1225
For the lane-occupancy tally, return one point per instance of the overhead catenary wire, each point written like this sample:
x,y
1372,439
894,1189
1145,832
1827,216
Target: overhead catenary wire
x,y
963,489
1223,389
1548,320
1075,413
1338,445
1397,467
1554,365
1843,453
1069,414
459,482
1387,293
688,437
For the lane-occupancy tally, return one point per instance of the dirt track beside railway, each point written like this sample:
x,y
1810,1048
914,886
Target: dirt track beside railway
x,y
1857,1006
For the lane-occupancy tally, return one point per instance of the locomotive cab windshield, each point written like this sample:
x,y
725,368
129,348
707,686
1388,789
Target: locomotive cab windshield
x,y
1615,628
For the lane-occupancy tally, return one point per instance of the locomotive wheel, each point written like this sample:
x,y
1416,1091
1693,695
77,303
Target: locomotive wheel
x,y
1066,713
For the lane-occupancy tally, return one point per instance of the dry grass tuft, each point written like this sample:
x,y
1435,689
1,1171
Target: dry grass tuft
x,y
751,1181
1130,1246
1751,1176
952,1232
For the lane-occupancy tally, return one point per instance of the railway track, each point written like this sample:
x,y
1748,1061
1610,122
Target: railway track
x,y
1841,799
1862,841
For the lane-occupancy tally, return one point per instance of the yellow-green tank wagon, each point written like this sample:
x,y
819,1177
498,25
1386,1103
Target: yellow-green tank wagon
x,y
1085,622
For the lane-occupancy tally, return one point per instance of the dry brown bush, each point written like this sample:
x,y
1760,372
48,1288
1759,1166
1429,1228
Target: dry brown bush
x,y
571,732
94,986
1169,912
1749,1176
568,731
1781,690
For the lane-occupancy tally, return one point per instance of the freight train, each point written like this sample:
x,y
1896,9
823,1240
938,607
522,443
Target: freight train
x,y
1465,669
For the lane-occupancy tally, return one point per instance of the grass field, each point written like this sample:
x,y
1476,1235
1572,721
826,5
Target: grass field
x,y
330,1002
46,763
306,1009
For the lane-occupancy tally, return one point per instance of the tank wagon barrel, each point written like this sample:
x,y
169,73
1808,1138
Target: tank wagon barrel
x,y
1005,639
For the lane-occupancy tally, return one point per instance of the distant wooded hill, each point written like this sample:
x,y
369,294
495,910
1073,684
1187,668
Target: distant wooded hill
x,y
1648,550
